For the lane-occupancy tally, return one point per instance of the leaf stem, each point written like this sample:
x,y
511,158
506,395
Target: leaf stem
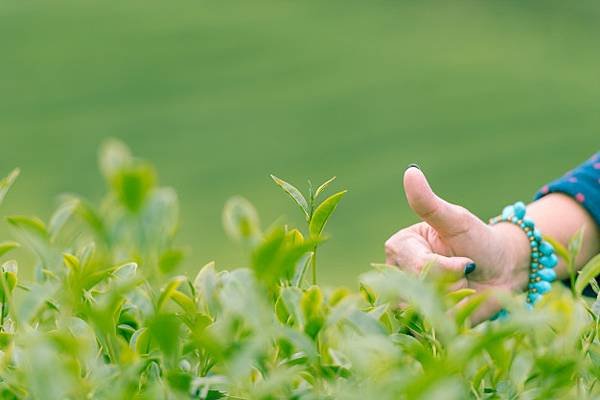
x,y
313,262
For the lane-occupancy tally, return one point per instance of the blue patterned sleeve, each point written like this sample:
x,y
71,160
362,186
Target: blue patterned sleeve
x,y
582,183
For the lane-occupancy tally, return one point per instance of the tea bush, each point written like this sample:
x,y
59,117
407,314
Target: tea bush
x,y
109,317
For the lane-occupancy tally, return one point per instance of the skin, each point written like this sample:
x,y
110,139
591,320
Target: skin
x,y
451,237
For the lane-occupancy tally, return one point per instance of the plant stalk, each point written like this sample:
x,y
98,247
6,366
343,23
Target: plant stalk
x,y
313,262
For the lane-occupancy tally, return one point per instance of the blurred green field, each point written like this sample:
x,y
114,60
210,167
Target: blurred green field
x,y
492,99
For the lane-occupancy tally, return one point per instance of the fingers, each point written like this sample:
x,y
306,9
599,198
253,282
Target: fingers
x,y
447,219
458,266
410,252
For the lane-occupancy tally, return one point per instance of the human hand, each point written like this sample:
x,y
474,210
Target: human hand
x,y
480,256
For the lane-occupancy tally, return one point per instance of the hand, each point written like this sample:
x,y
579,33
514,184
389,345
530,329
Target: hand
x,y
453,238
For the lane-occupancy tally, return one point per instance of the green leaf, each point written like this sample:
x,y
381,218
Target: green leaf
x,y
295,194
457,295
5,247
290,297
311,305
7,182
63,213
587,273
240,220
169,260
323,212
468,307
133,183
184,301
276,257
140,341
125,271
323,186
71,261
301,267
114,155
29,224
163,328
168,290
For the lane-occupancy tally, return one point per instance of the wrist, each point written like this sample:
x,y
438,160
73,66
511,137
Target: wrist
x,y
516,253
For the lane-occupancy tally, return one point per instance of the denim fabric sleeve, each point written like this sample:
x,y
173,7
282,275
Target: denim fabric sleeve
x,y
582,184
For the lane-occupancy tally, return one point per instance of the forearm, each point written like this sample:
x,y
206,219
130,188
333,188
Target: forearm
x,y
560,217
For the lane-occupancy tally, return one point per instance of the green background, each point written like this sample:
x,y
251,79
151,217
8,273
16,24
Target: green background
x,y
492,99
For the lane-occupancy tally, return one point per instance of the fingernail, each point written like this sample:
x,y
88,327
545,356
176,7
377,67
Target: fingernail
x,y
470,267
413,165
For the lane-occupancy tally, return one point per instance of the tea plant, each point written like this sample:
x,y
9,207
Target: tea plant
x,y
110,315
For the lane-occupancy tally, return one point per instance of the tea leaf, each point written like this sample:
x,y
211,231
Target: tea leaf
x,y
5,247
132,185
241,220
7,182
589,272
295,194
323,187
33,225
323,212
113,157
168,290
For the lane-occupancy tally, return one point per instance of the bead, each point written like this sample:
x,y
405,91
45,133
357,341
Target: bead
x,y
533,297
535,255
519,209
537,235
546,248
528,222
542,287
534,265
547,274
500,315
515,220
533,243
507,212
549,261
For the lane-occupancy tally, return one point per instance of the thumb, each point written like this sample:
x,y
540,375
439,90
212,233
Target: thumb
x,y
447,219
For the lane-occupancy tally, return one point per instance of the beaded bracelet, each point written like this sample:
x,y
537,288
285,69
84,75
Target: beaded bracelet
x,y
543,259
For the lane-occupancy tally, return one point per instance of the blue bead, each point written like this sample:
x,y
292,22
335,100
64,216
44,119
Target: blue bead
x,y
533,297
533,244
549,261
535,255
528,222
537,235
507,212
546,248
547,274
542,287
534,265
500,315
519,209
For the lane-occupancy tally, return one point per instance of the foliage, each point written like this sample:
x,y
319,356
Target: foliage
x,y
109,315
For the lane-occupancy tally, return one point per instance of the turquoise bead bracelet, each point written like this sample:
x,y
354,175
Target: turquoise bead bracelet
x,y
542,260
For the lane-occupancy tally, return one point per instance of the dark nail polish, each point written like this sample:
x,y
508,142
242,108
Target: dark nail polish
x,y
470,267
413,165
